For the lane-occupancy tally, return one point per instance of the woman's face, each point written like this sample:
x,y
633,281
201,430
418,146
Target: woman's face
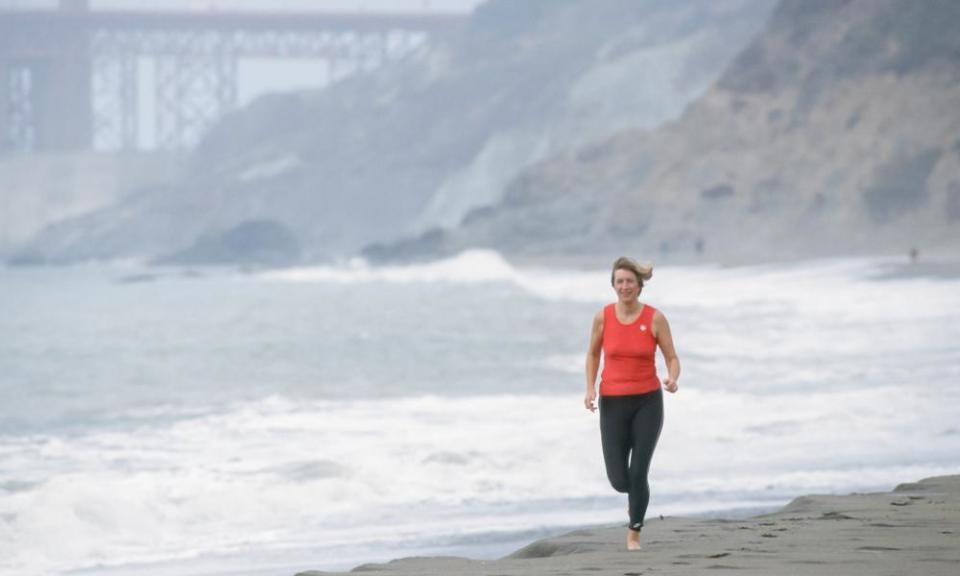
x,y
626,285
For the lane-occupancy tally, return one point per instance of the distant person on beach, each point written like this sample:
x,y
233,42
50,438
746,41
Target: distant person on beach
x,y
628,333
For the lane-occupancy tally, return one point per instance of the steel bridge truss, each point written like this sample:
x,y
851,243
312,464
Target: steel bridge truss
x,y
73,78
20,129
195,74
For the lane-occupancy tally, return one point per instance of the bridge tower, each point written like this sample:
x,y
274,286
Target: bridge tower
x,y
45,85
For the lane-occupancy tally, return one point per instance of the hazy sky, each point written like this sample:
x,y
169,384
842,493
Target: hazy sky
x,y
298,5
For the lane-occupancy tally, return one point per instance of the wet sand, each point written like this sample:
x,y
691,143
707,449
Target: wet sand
x,y
913,530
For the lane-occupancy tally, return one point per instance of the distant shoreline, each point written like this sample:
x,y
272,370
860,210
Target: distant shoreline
x,y
933,264
938,264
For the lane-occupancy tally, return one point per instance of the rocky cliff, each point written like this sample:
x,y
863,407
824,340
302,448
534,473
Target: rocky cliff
x,y
836,131
418,144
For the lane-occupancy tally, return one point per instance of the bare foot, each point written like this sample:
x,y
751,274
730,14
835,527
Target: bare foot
x,y
633,539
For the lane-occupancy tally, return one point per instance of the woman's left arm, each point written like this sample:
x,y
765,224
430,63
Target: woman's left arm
x,y
661,331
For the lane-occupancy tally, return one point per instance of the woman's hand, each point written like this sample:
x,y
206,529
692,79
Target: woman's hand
x,y
589,401
661,331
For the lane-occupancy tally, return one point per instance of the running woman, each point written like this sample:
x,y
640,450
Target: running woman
x,y
628,333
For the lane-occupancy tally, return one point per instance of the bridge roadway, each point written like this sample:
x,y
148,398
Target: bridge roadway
x,y
223,21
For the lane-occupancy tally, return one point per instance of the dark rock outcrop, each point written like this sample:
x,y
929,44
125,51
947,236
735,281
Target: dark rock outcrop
x,y
258,242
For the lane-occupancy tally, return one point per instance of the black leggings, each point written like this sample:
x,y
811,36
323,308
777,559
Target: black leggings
x,y
629,429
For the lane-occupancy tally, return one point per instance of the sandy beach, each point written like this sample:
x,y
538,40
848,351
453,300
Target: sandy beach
x,y
913,530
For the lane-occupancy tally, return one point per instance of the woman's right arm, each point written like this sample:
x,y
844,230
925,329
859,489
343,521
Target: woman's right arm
x,y
593,361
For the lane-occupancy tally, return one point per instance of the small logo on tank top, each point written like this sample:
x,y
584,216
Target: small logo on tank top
x,y
643,327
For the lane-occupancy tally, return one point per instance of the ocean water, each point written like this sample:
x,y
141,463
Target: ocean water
x,y
222,422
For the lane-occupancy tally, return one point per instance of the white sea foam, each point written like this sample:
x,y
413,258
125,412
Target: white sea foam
x,y
796,379
800,324
278,474
842,288
473,266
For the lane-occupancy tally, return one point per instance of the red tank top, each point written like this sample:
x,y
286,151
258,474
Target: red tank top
x,y
628,354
